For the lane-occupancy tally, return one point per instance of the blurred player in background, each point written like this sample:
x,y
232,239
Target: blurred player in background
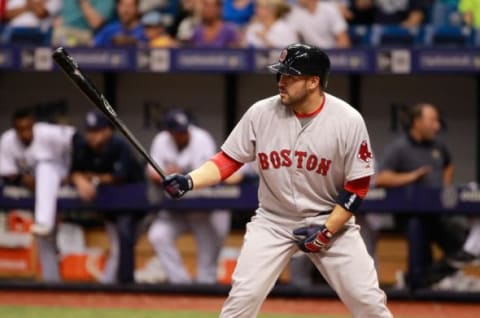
x,y
100,157
180,148
37,156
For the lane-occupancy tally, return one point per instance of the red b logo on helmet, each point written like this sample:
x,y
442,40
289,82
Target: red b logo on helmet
x,y
363,153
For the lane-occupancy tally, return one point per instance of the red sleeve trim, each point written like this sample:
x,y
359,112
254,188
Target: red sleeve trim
x,y
225,164
3,9
358,186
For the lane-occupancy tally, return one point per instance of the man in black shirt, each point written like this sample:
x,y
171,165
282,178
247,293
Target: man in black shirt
x,y
100,157
410,13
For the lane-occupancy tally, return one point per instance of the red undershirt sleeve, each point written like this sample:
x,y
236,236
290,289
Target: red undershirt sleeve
x,y
225,164
358,186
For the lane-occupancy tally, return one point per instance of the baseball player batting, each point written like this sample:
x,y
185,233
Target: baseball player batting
x,y
314,161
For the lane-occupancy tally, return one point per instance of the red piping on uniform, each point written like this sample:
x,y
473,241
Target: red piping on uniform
x,y
314,113
3,9
358,186
225,164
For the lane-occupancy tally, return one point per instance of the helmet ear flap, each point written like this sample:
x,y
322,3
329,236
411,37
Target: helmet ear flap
x,y
324,81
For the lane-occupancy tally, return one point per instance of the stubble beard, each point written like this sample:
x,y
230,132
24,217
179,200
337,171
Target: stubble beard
x,y
293,102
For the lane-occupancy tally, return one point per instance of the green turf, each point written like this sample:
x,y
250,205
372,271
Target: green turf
x,y
64,312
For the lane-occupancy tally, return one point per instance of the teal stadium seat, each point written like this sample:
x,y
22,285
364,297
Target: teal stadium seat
x,y
449,36
360,35
395,35
445,28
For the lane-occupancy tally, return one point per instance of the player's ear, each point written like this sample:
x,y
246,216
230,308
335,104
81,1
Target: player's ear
x,y
313,82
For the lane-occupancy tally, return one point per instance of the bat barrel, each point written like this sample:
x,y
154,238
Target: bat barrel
x,y
64,60
73,72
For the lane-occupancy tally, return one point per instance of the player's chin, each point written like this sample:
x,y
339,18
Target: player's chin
x,y
284,98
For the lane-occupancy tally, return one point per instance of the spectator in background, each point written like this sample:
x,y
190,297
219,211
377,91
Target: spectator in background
x,y
213,32
169,8
37,156
145,6
188,19
444,13
269,29
80,19
31,13
320,23
180,148
357,11
344,6
470,10
156,24
102,158
409,13
239,12
127,31
419,157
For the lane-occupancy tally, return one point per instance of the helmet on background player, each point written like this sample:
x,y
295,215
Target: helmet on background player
x,y
303,59
177,123
177,120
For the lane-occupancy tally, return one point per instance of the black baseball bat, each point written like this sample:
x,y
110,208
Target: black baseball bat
x,y
70,67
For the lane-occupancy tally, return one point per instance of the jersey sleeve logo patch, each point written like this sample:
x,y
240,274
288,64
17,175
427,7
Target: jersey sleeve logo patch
x,y
364,153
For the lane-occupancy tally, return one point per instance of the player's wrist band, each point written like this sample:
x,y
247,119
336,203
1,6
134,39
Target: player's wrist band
x,y
349,201
189,181
326,232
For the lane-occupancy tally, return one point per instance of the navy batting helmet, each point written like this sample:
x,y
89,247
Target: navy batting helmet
x,y
177,120
303,59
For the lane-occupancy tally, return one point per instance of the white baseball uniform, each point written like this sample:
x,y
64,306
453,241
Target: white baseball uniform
x,y
472,243
47,158
208,227
302,165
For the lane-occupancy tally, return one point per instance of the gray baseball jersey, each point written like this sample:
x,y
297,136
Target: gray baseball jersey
x,y
302,169
303,164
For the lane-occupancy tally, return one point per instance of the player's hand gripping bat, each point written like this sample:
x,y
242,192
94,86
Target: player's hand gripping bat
x,y
72,70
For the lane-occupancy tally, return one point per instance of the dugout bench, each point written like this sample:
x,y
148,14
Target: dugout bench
x,y
133,198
